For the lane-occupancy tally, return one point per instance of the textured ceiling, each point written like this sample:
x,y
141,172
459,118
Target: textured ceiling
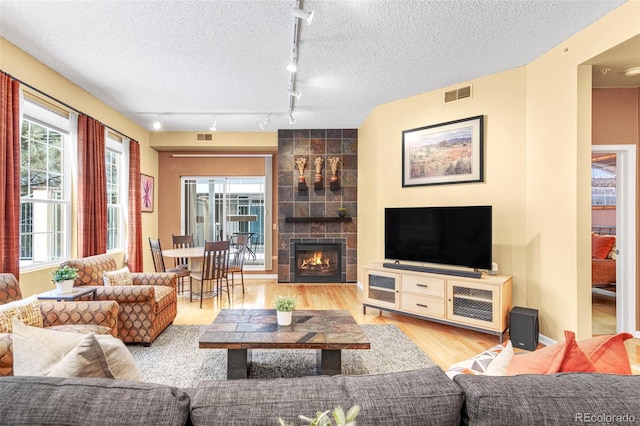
x,y
187,60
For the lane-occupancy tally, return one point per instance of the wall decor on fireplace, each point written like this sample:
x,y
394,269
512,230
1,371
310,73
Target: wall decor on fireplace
x,y
146,192
445,153
301,162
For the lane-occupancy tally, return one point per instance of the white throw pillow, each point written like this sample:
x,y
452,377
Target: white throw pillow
x,y
117,278
498,366
87,359
36,351
26,310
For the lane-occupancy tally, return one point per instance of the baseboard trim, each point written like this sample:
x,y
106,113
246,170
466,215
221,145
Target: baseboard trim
x,y
547,341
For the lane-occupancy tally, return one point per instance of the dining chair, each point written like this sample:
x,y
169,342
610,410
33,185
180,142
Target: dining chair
x,y
158,264
215,264
236,262
182,241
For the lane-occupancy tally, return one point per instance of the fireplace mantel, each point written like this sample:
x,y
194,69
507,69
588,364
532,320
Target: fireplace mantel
x,y
317,219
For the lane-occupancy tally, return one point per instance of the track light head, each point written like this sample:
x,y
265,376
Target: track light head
x,y
292,67
213,124
157,125
266,122
294,93
299,13
292,120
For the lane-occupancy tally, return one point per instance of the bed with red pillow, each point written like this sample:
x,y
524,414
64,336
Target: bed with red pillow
x,y
603,261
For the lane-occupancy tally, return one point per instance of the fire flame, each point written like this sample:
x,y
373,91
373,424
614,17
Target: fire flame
x,y
316,260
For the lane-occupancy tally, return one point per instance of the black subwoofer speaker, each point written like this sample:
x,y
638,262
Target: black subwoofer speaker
x,y
524,328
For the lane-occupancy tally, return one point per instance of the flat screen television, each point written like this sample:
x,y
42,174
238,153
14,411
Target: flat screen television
x,y
458,236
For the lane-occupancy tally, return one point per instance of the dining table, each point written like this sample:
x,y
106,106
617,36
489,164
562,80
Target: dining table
x,y
194,256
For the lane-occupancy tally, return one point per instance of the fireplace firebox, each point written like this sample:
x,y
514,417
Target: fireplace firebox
x,y
317,262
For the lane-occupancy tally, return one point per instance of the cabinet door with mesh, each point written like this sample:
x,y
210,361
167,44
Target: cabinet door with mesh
x,y
381,288
473,304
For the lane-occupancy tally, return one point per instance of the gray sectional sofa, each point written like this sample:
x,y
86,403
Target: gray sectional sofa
x,y
420,397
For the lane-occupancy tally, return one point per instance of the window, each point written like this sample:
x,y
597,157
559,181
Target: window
x,y
45,205
603,180
116,193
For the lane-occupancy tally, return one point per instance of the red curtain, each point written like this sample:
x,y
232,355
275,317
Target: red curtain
x,y
92,188
134,246
10,175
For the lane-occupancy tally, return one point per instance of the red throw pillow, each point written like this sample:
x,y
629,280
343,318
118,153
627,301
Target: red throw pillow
x,y
601,246
575,360
543,361
566,357
608,353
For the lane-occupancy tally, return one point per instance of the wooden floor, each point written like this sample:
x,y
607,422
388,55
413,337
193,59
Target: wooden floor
x,y
444,344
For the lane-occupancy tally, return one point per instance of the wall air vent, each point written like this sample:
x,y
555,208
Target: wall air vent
x,y
457,94
204,137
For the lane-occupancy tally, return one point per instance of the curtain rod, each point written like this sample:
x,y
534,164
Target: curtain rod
x,y
66,105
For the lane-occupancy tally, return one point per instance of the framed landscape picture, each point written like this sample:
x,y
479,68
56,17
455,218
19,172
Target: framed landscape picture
x,y
444,153
146,192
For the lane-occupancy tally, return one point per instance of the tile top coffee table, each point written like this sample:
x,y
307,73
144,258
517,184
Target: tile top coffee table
x,y
241,330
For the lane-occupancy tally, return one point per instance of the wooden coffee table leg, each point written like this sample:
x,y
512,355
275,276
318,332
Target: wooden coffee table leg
x,y
238,363
329,362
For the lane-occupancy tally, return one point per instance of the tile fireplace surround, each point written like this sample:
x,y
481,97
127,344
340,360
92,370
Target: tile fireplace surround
x,y
318,206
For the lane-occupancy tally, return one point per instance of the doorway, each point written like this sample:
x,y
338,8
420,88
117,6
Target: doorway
x,y
217,208
616,163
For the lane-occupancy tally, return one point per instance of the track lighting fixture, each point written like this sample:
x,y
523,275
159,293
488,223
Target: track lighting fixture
x,y
292,67
266,122
157,125
291,119
294,93
213,124
299,13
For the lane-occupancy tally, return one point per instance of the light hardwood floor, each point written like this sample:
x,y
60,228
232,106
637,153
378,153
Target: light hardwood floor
x,y
444,344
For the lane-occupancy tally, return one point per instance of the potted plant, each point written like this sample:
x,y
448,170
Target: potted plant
x,y
342,212
64,277
284,309
323,418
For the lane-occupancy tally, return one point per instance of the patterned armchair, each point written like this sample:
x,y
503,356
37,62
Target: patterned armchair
x,y
146,308
80,317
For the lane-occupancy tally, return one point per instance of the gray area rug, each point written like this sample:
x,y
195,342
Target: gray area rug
x,y
175,359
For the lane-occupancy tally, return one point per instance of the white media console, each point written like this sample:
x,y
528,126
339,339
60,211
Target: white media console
x,y
481,304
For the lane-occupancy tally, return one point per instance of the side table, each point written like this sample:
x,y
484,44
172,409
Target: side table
x,y
73,295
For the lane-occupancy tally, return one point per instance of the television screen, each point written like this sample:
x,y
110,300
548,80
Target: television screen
x,y
459,236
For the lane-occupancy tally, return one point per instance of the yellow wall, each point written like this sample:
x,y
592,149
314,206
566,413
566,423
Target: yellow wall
x,y
501,99
27,69
537,175
558,172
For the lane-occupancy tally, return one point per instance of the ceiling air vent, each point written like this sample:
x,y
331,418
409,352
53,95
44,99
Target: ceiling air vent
x,y
457,94
204,137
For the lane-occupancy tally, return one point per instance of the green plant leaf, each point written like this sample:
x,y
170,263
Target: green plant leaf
x,y
338,416
353,413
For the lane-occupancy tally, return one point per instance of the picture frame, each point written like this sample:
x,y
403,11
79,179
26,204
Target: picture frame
x,y
146,193
444,153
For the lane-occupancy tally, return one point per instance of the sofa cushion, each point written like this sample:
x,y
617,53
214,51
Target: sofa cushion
x,y
477,364
87,359
555,399
26,310
38,350
89,401
418,397
119,277
601,246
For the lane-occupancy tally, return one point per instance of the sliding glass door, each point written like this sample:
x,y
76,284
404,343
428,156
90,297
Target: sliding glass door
x,y
221,208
